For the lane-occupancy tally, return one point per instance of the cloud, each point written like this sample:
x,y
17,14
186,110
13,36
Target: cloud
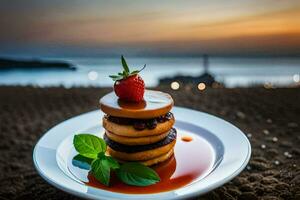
x,y
198,26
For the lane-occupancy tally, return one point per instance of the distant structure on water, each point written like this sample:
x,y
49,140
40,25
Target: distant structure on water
x,y
206,78
8,64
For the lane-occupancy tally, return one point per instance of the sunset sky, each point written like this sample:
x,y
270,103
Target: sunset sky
x,y
194,27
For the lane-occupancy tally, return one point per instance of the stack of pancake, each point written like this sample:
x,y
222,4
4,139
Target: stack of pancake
x,y
141,132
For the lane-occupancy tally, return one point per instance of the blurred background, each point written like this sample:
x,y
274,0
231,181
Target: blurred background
x,y
236,59
245,43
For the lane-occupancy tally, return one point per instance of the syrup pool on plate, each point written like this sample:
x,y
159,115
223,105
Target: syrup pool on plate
x,y
193,159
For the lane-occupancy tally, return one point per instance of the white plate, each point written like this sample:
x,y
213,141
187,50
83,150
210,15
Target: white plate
x,y
230,146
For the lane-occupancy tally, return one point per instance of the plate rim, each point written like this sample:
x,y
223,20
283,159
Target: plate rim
x,y
198,192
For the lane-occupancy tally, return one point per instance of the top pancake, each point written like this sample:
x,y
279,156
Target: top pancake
x,y
155,104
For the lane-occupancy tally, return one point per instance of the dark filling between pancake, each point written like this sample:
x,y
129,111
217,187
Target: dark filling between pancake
x,y
138,148
140,124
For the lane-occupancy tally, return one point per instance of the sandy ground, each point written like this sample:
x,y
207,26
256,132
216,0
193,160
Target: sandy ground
x,y
270,119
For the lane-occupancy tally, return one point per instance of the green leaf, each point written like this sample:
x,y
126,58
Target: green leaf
x,y
142,68
133,173
126,72
125,66
135,72
101,155
82,162
116,78
101,170
112,162
89,145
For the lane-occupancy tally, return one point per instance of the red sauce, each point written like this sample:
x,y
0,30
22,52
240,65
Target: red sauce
x,y
191,160
186,138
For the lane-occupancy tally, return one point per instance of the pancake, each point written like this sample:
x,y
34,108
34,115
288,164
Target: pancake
x,y
155,104
159,159
130,131
136,140
140,148
141,155
156,160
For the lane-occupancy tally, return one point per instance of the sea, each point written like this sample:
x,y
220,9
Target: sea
x,y
95,71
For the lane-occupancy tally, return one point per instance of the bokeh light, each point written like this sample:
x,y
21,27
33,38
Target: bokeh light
x,y
268,85
175,85
93,75
201,86
296,78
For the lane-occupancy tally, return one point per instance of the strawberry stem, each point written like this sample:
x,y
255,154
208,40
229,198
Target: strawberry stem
x,y
126,72
125,66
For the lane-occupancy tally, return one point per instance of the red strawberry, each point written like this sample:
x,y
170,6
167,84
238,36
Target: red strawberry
x,y
130,89
128,85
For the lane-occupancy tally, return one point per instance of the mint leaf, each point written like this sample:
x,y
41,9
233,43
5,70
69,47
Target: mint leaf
x,y
89,145
82,162
112,162
125,66
133,173
101,155
101,170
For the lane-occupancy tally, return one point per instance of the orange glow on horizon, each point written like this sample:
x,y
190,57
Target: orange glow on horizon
x,y
208,26
91,31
